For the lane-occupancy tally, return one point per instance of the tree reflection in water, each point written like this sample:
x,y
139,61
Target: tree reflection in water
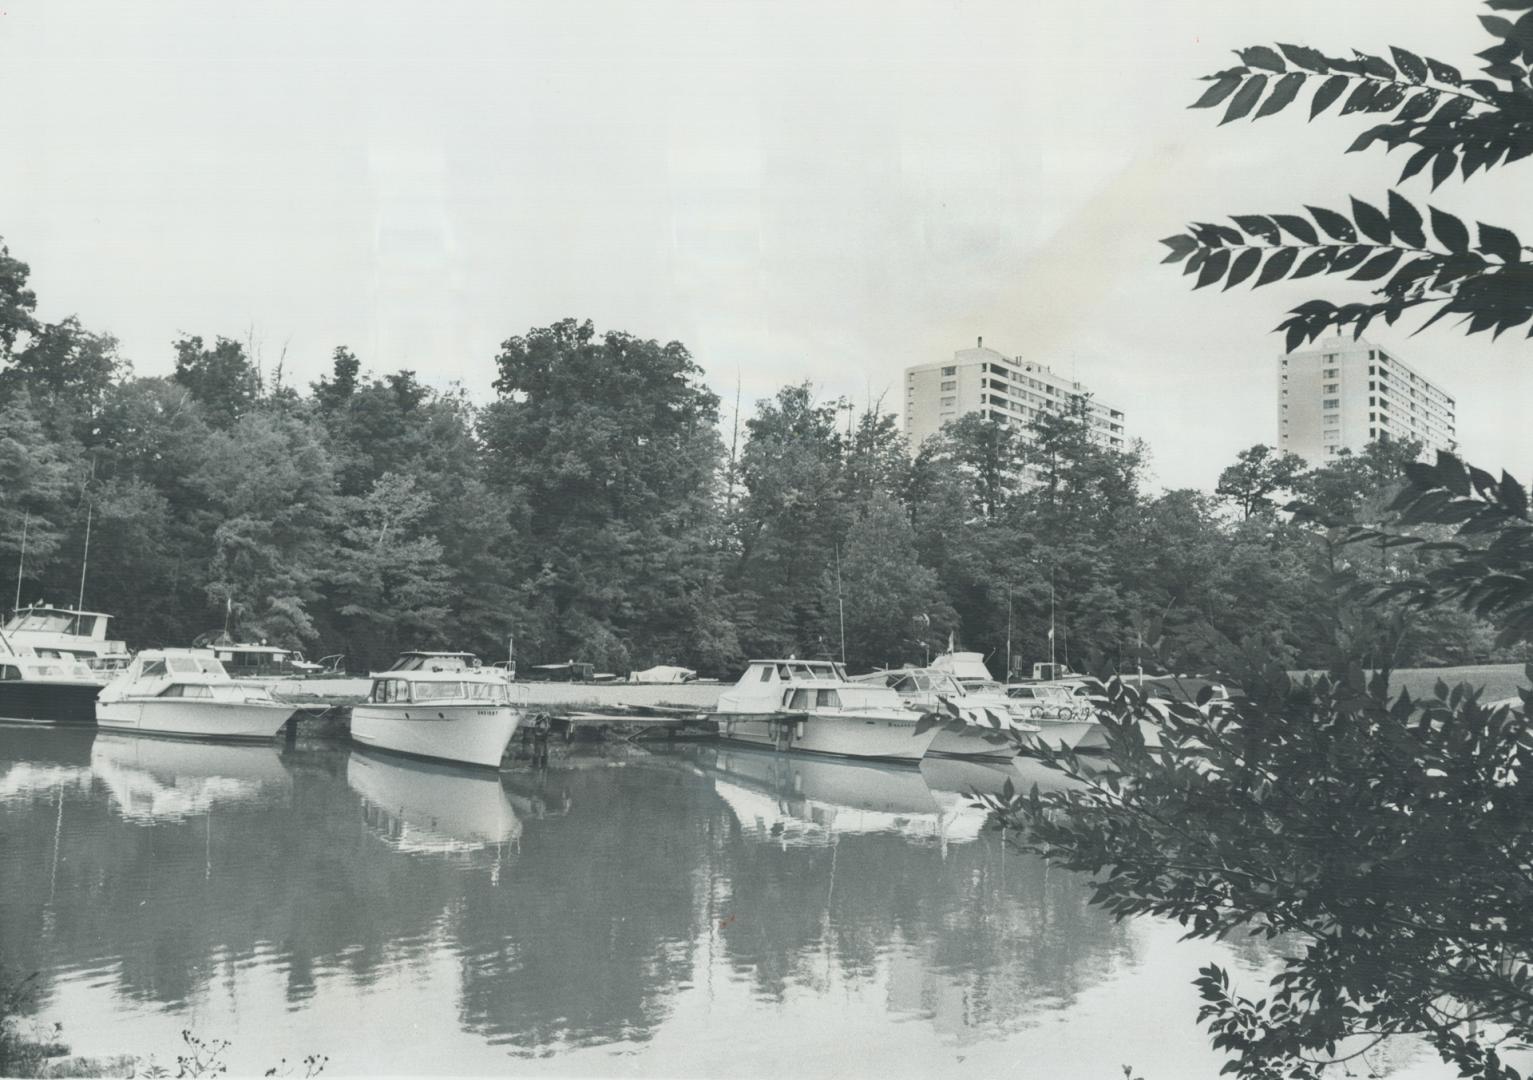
x,y
578,905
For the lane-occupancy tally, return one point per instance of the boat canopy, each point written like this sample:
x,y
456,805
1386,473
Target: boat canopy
x,y
663,673
59,620
435,661
964,666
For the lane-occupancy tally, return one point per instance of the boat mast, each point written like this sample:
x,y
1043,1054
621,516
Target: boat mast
x,y
841,605
90,510
1053,672
22,560
1007,676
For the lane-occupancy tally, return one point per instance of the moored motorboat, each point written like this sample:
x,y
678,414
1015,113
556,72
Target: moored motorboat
x,y
62,633
187,692
440,705
37,690
980,723
811,706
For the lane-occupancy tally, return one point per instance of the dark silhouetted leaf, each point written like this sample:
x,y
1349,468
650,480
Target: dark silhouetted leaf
x,y
1350,257
1260,56
1371,220
1217,92
1259,226
1378,266
1405,220
1496,25
1413,66
1444,73
1328,92
1283,93
1245,98
1213,268
1277,265
1502,243
1300,229
1335,225
1305,57
1443,167
1315,262
1243,267
1419,105
1417,162
1360,98
1449,230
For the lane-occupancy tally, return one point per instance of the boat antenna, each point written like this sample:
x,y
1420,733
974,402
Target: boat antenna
x,y
841,605
90,510
22,560
1053,671
1007,676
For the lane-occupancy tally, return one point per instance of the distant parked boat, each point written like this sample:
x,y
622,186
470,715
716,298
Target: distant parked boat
x,y
34,690
987,718
187,692
61,633
441,705
810,705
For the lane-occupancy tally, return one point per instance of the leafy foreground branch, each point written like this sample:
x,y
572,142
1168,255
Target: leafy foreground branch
x,y
1389,839
1453,122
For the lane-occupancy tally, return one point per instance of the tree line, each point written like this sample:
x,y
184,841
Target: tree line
x,y
593,511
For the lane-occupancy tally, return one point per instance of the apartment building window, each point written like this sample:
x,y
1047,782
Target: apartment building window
x,y
1329,388
1332,418
1330,372
948,400
1331,403
950,371
1373,433
951,384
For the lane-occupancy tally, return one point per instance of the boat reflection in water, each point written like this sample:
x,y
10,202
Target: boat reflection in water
x,y
36,761
154,780
804,800
430,807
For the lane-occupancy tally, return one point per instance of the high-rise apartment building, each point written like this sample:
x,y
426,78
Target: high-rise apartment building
x,y
1008,389
1342,394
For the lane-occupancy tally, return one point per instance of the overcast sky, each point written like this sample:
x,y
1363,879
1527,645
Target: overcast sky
x,y
795,191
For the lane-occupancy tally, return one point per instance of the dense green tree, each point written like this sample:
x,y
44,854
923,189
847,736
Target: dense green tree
x,y
221,379
790,518
613,443
67,371
268,487
893,608
333,392
39,483
1259,473
387,580
17,302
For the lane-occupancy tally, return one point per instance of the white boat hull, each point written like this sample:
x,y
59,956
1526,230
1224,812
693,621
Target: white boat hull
x,y
881,738
194,717
474,734
1096,739
971,742
1066,734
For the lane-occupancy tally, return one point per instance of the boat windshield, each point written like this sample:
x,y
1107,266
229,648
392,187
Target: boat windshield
x,y
52,622
209,666
437,691
427,662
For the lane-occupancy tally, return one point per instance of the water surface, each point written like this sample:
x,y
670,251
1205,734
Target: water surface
x,y
697,912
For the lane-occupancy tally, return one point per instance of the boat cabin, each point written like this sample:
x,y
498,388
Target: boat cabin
x,y
803,686
968,668
571,671
175,673
66,633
